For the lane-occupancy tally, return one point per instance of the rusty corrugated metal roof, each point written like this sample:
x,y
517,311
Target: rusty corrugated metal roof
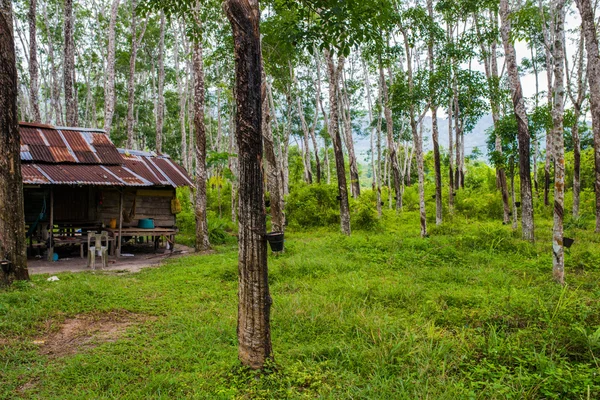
x,y
78,156
32,176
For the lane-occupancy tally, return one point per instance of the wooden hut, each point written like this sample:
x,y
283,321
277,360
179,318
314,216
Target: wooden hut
x,y
76,181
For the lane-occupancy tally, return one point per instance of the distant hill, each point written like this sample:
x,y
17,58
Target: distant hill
x,y
476,138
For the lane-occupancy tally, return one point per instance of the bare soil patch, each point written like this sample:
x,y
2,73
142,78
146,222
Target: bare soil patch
x,y
87,331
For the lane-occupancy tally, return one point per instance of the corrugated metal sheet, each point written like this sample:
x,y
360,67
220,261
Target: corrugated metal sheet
x,y
128,177
139,168
83,151
168,169
73,156
79,175
105,149
32,176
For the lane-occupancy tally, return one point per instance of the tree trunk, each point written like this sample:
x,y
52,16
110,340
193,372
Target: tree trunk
x,y
109,84
55,91
522,127
374,131
69,66
354,176
181,89
393,157
334,132
160,103
13,245
202,242
135,44
434,128
313,129
558,260
254,331
417,139
33,63
593,73
304,126
273,173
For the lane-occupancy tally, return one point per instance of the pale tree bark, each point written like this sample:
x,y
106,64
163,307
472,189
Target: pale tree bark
x,y
304,126
549,77
136,41
55,82
593,74
434,128
491,71
69,66
451,193
346,117
109,83
181,89
391,145
577,105
33,63
417,138
160,102
273,173
334,73
522,127
202,242
13,245
374,169
558,257
313,136
254,330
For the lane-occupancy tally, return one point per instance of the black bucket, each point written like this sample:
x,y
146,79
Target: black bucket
x,y
267,203
338,197
275,239
568,242
517,204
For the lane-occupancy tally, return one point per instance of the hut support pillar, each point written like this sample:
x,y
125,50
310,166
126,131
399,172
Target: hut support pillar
x,y
119,239
51,226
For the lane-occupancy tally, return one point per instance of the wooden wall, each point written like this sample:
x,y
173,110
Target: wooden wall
x,y
93,204
149,203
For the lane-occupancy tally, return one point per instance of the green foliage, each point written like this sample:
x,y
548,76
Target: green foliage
x,y
313,205
364,212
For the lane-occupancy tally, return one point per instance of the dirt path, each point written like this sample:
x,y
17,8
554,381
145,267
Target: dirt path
x,y
129,264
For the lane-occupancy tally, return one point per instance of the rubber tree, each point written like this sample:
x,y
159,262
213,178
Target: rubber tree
x,y
254,300
13,256
593,75
522,126
69,65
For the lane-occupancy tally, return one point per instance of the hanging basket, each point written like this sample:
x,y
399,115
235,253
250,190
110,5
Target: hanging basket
x,y
275,240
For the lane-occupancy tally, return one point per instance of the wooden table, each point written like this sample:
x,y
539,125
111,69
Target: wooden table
x,y
156,233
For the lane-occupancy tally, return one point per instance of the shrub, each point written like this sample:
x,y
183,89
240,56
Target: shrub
x,y
364,212
313,205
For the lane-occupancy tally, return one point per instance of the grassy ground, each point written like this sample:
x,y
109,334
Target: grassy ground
x,y
470,312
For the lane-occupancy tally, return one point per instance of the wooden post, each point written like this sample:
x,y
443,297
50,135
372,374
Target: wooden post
x,y
51,227
120,223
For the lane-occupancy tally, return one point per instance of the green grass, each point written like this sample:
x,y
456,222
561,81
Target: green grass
x,y
470,312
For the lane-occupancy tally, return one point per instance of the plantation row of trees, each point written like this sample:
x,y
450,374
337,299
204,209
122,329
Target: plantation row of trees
x,y
160,75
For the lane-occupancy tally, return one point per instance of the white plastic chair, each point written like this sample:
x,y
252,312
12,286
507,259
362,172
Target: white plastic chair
x,y
98,249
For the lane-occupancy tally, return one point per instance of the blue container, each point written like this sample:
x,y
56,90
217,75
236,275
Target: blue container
x,y
146,223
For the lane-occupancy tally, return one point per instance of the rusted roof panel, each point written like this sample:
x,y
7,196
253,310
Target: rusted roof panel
x,y
172,174
73,174
139,168
148,161
128,177
30,135
32,176
108,154
40,153
80,147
